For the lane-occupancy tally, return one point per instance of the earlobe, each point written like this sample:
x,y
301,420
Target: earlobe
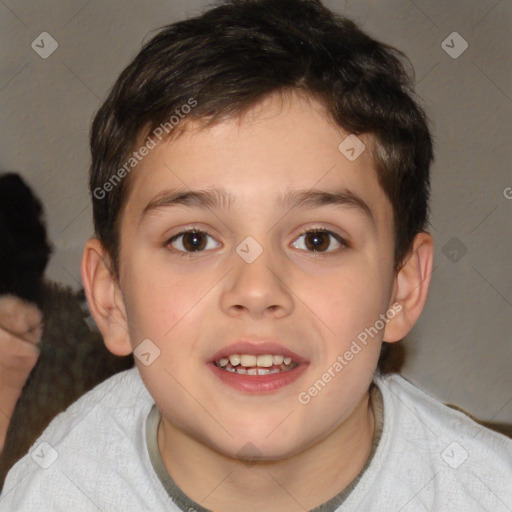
x,y
411,287
105,298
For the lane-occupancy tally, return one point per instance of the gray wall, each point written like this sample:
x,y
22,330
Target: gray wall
x,y
461,348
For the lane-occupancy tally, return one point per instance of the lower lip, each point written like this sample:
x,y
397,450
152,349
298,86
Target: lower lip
x,y
259,383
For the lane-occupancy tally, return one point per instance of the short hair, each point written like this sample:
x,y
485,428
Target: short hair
x,y
233,56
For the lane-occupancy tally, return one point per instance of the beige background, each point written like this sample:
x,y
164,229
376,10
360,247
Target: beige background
x,y
461,349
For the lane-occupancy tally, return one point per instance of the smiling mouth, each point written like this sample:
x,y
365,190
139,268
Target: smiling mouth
x,y
248,364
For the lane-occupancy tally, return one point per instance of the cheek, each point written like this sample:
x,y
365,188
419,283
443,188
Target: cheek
x,y
157,299
346,301
169,310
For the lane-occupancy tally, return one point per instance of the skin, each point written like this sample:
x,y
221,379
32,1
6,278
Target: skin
x,y
313,303
20,332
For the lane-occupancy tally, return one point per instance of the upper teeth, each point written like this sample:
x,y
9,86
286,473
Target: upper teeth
x,y
249,360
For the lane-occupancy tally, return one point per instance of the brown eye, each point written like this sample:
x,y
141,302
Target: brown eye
x,y
191,241
319,241
194,241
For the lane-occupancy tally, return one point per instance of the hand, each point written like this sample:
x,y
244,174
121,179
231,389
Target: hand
x,y
21,318
21,329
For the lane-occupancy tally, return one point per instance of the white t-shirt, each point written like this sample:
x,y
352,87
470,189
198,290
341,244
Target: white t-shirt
x,y
94,456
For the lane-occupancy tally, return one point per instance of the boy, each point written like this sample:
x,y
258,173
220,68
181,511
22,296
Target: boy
x,y
260,180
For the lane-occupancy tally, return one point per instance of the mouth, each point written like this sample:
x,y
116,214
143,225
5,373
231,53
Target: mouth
x,y
249,364
257,368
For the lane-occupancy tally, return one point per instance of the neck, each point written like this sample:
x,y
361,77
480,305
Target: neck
x,y
305,480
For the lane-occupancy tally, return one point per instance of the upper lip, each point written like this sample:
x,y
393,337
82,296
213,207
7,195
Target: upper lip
x,y
257,348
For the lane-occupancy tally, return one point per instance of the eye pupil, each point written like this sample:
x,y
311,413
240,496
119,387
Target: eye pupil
x,y
194,241
320,242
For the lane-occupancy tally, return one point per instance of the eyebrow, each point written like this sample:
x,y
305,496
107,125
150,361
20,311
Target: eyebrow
x,y
218,198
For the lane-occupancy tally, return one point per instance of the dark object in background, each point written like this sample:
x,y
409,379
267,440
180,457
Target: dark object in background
x,y
24,248
73,357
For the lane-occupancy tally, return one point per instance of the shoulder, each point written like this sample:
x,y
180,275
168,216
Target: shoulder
x,y
416,407
96,445
433,456
115,402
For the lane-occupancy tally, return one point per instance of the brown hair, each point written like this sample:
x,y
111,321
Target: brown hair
x,y
234,55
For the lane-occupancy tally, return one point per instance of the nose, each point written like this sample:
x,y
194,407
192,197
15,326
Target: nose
x,y
258,289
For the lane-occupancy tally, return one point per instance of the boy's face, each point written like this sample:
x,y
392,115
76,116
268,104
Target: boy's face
x,y
194,305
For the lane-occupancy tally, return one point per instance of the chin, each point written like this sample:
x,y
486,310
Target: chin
x,y
261,448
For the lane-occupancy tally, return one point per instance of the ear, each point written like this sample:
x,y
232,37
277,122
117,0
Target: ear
x,y
105,298
411,288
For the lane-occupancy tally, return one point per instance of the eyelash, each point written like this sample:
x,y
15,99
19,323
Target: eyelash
x,y
344,244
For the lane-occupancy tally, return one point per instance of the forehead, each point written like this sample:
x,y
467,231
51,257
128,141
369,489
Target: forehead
x,y
283,144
